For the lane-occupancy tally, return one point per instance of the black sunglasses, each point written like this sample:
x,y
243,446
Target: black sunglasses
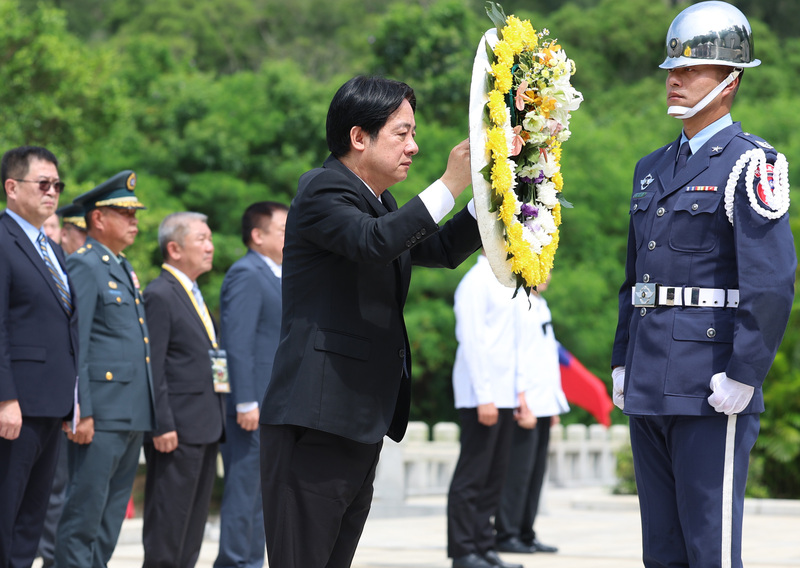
x,y
45,184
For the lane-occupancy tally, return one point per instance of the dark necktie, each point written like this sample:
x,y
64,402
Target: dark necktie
x,y
683,155
62,289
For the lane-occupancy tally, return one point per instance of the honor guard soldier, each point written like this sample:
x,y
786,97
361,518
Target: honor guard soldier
x,y
115,379
709,283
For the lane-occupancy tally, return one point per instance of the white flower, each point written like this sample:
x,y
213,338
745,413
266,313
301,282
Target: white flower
x,y
534,122
547,194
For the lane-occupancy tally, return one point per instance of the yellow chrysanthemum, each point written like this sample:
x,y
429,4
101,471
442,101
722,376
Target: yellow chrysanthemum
x,y
497,143
502,178
507,209
557,214
512,33
497,107
504,53
502,77
558,180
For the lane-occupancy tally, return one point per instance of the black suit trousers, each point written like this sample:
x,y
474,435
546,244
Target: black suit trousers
x,y
523,486
477,482
178,490
27,467
317,491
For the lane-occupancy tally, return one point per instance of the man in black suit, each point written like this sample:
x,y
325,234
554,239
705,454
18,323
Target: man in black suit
x,y
341,378
38,350
250,314
181,454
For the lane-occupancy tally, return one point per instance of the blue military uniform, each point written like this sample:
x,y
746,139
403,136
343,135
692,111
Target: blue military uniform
x,y
715,272
115,389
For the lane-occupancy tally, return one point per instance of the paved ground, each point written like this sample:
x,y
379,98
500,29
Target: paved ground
x,y
592,529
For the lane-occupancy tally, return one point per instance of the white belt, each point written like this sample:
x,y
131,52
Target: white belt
x,y
650,294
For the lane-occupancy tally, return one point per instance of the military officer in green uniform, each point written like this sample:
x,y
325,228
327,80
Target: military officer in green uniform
x,y
115,379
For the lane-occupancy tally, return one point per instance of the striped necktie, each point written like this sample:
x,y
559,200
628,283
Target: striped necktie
x,y
62,289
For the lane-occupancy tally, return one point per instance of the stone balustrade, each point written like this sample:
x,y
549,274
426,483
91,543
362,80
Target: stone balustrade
x,y
422,464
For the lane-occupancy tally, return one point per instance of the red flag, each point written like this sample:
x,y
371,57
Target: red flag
x,y
583,388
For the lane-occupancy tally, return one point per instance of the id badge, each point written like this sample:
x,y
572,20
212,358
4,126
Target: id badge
x,y
219,370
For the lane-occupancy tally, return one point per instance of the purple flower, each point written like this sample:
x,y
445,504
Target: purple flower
x,y
540,177
529,211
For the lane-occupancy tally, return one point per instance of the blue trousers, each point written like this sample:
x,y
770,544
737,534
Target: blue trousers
x,y
691,473
241,537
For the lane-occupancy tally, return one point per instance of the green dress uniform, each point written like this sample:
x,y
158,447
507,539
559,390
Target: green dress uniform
x,y
115,389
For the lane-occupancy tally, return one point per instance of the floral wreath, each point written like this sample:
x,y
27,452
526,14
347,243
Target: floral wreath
x,y
516,133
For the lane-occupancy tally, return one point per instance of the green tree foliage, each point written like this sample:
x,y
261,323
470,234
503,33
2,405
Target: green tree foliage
x,y
220,103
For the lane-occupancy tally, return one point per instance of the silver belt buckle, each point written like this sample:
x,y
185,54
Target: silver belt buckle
x,y
645,294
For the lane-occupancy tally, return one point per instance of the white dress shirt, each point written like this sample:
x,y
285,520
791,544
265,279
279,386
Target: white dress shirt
x,y
492,361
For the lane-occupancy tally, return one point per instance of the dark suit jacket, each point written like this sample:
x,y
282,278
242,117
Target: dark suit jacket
x,y
250,313
343,363
38,340
184,386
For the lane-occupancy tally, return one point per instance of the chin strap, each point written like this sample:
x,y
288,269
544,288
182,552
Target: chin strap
x,y
682,113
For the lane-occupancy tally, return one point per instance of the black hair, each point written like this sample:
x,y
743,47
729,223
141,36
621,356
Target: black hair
x,y
17,161
367,102
254,214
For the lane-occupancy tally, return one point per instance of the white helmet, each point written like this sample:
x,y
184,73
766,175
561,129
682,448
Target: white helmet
x,y
710,33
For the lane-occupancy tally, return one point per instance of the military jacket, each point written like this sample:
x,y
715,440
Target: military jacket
x,y
680,234
114,375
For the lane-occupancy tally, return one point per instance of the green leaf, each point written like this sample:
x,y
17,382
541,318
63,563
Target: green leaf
x,y
496,14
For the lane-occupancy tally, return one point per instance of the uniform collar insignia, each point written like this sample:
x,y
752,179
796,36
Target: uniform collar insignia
x,y
716,149
647,180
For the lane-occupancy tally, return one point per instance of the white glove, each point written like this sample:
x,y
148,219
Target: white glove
x,y
729,396
618,391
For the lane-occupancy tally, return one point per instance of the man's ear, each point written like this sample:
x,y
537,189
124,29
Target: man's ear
x,y
11,187
358,138
174,250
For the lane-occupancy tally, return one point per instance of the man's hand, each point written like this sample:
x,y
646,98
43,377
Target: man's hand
x,y
525,418
618,389
167,442
84,432
458,174
248,420
729,396
487,414
10,419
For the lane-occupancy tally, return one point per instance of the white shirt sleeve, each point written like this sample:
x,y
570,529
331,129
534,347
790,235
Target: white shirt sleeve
x,y
246,406
437,200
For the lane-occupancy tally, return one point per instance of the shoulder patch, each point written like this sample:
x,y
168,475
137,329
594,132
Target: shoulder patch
x,y
758,140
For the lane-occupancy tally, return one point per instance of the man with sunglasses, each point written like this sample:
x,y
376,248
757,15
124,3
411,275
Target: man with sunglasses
x,y
115,379
38,349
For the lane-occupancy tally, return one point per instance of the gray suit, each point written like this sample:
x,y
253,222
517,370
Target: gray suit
x,y
250,308
116,390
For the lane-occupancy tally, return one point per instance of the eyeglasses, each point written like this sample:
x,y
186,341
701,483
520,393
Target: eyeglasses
x,y
46,184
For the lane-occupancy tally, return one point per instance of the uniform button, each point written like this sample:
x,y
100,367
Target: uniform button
x,y
711,332
646,278
119,300
401,353
695,206
651,245
137,300
141,320
635,206
147,358
643,312
408,244
423,230
661,211
109,375
146,340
